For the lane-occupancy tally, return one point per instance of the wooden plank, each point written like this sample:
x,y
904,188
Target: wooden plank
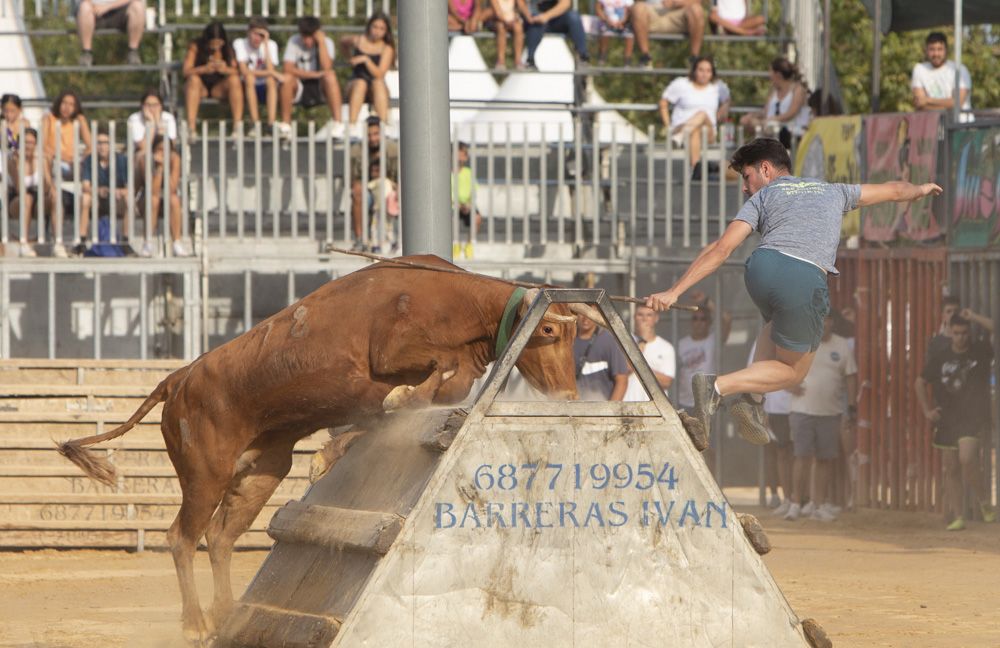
x,y
261,625
76,499
293,485
121,538
111,417
72,404
335,528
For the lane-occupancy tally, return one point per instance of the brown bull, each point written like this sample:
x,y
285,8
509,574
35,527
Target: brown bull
x,y
381,338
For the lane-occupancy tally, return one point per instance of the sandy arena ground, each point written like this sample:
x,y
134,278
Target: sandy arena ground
x,y
871,579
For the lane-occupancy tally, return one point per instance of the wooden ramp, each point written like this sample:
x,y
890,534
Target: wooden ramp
x,y
46,501
540,524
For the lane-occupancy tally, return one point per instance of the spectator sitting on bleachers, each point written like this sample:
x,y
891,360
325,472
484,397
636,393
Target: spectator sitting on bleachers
x,y
13,120
34,170
310,79
103,186
371,55
501,16
786,113
933,80
615,17
257,57
553,16
127,16
150,112
464,16
733,17
155,189
210,71
58,123
667,17
699,102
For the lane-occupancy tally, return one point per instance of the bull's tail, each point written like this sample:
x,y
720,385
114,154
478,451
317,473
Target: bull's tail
x,y
96,466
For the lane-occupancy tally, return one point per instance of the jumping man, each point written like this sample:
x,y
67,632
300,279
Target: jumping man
x,y
799,223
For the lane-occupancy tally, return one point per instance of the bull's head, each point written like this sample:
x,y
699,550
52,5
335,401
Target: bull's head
x,y
547,362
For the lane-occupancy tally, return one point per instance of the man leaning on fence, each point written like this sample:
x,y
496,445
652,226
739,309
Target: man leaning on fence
x,y
933,80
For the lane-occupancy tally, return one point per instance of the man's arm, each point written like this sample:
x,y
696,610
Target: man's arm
x,y
982,320
621,384
559,9
922,102
852,395
920,386
663,379
708,261
896,191
324,55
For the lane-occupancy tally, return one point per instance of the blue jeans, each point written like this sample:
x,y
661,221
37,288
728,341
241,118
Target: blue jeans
x,y
568,23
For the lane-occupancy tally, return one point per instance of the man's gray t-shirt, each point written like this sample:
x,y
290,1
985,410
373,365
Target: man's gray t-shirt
x,y
801,217
598,361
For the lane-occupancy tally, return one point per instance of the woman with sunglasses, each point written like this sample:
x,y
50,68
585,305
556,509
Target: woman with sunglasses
x,y
786,113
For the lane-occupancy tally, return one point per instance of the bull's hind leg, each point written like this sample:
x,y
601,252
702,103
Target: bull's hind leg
x,y
248,491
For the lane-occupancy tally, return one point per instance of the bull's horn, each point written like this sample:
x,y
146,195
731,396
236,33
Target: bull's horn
x,y
590,313
557,318
529,296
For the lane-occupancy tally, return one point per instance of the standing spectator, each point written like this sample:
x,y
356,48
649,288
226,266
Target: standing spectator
x,y
778,453
371,55
13,120
615,16
374,142
501,16
103,186
210,70
697,350
786,113
659,354
959,377
152,114
667,17
601,369
463,186
933,80
257,58
310,79
155,189
816,410
464,16
733,17
382,190
552,16
36,176
699,102
127,16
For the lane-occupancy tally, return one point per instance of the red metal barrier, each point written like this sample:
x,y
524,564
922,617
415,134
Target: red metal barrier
x,y
897,297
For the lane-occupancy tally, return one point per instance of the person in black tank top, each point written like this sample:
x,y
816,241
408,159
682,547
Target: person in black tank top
x,y
371,56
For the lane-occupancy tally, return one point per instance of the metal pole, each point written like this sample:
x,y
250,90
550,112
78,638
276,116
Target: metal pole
x,y
423,81
827,61
957,91
876,60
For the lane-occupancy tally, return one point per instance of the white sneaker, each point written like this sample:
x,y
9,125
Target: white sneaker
x,y
822,515
147,250
391,131
180,250
284,129
27,250
335,129
832,509
59,251
782,509
775,501
809,508
794,511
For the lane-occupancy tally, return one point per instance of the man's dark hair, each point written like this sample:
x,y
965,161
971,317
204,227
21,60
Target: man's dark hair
x,y
373,120
463,146
102,129
308,25
958,320
936,37
950,300
761,149
258,22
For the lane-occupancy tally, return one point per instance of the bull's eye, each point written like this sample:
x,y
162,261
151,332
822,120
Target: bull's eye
x,y
548,330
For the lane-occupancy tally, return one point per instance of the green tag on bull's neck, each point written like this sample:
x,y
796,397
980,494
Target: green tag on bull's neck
x,y
507,321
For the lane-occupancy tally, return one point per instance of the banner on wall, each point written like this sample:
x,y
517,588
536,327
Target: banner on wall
x,y
831,150
902,147
975,196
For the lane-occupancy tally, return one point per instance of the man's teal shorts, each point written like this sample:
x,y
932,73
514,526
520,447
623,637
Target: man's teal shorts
x,y
790,293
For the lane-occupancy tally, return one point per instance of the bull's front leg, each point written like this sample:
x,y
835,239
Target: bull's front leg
x,y
419,395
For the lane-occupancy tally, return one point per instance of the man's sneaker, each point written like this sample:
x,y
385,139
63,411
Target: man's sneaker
x,y
706,400
27,250
809,508
782,510
59,251
179,249
822,515
86,58
775,501
646,61
794,511
957,525
133,57
335,130
750,419
284,129
147,250
832,509
989,513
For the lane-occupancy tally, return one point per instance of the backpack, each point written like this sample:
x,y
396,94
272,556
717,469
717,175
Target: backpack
x,y
102,247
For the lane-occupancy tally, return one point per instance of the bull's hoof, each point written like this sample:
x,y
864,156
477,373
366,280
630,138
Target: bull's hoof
x,y
815,634
198,633
696,431
755,533
398,398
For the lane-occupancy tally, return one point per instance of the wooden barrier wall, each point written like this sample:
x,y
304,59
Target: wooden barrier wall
x,y
897,297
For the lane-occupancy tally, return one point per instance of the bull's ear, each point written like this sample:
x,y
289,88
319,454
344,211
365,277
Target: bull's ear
x,y
526,301
590,313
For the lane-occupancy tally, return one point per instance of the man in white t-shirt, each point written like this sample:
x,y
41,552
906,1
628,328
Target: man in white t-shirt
x,y
696,352
816,410
257,57
309,76
659,354
933,81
